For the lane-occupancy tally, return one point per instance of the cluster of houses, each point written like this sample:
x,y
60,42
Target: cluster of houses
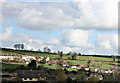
x,y
82,67
93,69
26,58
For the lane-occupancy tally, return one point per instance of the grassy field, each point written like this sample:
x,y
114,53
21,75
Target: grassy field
x,y
97,64
56,56
5,65
73,62
9,53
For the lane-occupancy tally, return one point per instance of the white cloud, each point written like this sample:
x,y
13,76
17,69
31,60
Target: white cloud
x,y
34,44
7,34
53,41
2,0
100,15
109,41
74,40
8,39
106,44
77,38
43,20
82,14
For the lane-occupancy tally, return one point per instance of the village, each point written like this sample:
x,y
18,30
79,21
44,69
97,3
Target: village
x,y
26,59
43,66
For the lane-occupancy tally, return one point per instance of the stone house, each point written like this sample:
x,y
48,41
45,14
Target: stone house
x,y
32,75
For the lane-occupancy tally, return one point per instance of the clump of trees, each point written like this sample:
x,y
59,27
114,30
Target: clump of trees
x,y
19,46
74,56
32,65
113,57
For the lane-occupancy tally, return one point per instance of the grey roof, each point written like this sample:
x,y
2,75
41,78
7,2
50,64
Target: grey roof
x,y
30,73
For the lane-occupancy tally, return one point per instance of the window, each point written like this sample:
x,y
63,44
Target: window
x,y
25,78
30,78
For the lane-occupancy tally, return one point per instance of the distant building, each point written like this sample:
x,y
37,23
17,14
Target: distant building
x,y
31,75
73,66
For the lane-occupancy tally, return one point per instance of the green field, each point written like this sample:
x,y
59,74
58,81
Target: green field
x,y
9,53
55,55
5,65
73,62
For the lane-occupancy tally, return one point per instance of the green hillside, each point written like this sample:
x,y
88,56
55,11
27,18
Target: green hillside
x,y
97,64
51,55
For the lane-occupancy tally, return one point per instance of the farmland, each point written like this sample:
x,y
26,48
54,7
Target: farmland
x,y
96,62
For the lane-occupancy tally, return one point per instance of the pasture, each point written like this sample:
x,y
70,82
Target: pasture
x,y
93,64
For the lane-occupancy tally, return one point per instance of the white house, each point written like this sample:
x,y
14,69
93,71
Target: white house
x,y
78,67
47,59
102,71
110,71
27,58
41,58
86,68
106,71
27,62
65,64
96,70
31,57
11,57
2,57
73,66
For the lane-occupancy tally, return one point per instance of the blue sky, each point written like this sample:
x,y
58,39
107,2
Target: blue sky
x,y
65,25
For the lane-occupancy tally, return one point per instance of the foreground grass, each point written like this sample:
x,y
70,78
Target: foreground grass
x,y
5,65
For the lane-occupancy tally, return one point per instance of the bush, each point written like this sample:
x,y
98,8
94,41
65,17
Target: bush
x,y
118,61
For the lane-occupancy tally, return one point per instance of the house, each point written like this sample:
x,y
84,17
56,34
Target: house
x,y
11,57
92,69
80,66
110,71
27,58
49,62
2,57
47,59
106,70
32,75
102,71
41,58
87,68
54,62
65,64
73,66
95,69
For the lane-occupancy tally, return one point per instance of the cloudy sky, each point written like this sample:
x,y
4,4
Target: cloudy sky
x,y
86,26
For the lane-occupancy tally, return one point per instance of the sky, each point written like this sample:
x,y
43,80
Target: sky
x,y
82,26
